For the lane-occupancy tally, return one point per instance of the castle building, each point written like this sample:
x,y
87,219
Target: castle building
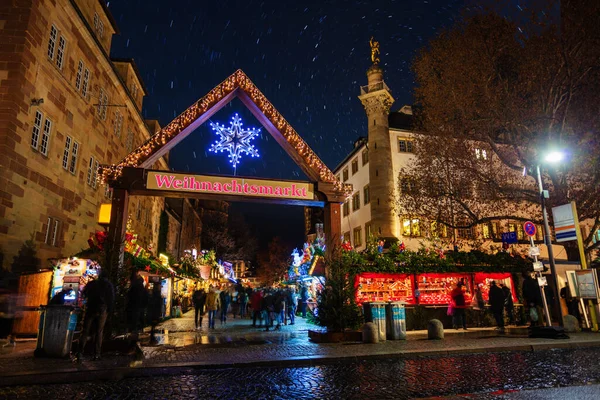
x,y
66,107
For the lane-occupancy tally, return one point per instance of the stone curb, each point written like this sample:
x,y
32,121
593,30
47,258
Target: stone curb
x,y
72,375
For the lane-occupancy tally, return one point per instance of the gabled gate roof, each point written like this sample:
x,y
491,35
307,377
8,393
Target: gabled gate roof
x,y
236,85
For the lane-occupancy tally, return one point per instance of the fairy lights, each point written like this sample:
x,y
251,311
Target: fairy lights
x,y
237,80
235,140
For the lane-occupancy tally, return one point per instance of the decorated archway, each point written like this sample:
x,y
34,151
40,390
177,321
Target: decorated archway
x,y
131,176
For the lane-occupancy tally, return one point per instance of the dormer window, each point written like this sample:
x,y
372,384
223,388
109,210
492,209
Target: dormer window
x,y
98,25
481,154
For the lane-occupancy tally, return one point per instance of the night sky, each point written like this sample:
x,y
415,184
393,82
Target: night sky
x,y
309,58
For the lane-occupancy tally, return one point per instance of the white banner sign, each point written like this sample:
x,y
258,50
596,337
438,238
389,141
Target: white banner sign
x,y
564,223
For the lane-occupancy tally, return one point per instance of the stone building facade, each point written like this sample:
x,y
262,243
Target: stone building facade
x,y
66,107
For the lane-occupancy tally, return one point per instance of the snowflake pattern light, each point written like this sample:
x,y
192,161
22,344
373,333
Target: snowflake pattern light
x,y
235,140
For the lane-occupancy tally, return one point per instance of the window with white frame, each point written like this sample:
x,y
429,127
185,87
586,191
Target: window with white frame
x,y
60,52
129,143
118,123
40,133
70,154
57,45
481,154
98,25
86,82
52,235
108,192
346,208
67,152
102,104
79,75
92,175
52,42
134,91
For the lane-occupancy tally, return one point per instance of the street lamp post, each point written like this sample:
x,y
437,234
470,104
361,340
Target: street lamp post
x,y
553,157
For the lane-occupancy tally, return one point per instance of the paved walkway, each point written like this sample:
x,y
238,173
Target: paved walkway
x,y
238,344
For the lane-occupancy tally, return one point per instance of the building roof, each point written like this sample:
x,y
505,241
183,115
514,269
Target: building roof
x,y
110,17
401,120
131,62
359,144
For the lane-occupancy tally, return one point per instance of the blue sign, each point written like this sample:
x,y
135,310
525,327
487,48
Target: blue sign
x,y
529,228
509,237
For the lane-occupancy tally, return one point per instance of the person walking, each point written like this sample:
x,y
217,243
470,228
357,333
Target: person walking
x,y
279,309
268,309
212,305
243,300
155,308
225,298
137,300
303,300
256,303
100,300
533,299
459,304
199,298
496,301
478,305
509,305
292,304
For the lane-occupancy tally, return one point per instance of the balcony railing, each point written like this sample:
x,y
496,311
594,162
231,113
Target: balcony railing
x,y
374,87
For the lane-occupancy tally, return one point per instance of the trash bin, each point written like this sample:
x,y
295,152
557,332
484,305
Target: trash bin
x,y
378,312
55,331
395,316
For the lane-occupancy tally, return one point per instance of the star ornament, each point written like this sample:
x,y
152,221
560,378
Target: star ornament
x,y
235,140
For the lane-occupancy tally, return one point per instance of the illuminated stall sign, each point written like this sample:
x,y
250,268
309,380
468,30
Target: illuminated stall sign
x,y
235,186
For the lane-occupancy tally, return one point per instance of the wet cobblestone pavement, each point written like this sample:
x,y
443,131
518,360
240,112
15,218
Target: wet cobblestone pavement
x,y
481,374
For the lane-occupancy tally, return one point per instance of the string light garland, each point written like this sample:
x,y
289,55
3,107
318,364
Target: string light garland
x,y
235,140
237,80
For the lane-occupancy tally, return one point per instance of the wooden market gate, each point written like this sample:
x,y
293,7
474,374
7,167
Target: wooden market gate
x,y
131,176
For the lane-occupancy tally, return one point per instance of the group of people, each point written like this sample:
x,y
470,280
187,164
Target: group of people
x,y
268,306
143,306
500,301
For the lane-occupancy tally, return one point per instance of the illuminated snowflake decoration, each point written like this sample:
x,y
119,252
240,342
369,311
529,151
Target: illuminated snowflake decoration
x,y
235,140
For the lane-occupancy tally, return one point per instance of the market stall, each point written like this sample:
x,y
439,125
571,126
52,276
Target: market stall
x,y
371,286
484,279
72,274
434,288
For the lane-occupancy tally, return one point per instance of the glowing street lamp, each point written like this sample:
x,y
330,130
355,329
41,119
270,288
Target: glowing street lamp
x,y
552,157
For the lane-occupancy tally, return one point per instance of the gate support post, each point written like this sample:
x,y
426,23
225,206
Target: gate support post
x,y
117,230
332,228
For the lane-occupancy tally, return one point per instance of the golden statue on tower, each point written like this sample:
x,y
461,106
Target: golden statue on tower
x,y
374,51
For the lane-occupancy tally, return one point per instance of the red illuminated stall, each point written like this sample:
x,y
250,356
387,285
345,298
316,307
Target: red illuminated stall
x,y
435,288
372,286
483,280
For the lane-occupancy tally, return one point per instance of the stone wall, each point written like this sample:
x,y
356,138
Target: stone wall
x,y
40,198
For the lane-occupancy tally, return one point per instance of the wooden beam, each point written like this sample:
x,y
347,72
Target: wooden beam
x,y
278,136
153,158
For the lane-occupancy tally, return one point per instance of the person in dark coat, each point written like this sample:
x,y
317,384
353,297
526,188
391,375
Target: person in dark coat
x,y
155,306
199,298
137,300
303,300
533,298
225,299
268,309
100,301
509,305
496,301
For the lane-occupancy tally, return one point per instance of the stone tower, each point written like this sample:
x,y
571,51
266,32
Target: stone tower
x,y
377,100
